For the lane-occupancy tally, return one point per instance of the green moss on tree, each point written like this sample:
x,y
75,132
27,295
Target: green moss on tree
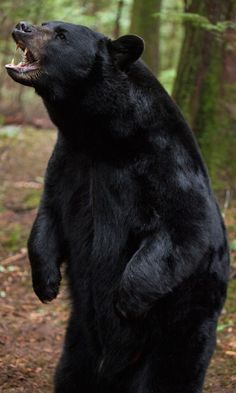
x,y
205,87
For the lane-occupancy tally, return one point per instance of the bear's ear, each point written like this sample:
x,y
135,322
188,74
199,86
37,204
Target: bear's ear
x,y
126,49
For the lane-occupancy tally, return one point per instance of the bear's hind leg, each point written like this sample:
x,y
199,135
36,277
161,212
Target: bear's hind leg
x,y
71,377
75,371
180,365
176,363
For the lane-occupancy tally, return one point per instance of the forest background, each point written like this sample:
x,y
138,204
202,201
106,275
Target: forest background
x,y
190,45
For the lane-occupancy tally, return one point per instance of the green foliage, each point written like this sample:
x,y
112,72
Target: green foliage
x,y
171,35
34,10
167,78
195,20
100,14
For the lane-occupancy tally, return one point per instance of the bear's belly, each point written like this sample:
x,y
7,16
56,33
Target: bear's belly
x,y
98,253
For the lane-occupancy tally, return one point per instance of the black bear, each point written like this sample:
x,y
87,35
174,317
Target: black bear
x,y
128,206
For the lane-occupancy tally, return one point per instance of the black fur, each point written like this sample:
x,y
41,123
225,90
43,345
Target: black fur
x,y
128,205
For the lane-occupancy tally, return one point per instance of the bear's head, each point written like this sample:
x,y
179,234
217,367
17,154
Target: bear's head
x,y
60,56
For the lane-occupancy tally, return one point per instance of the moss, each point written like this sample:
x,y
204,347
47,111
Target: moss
x,y
217,138
186,88
207,127
201,90
203,99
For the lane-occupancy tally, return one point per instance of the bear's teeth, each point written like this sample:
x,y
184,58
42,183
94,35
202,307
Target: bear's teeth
x,y
13,60
24,56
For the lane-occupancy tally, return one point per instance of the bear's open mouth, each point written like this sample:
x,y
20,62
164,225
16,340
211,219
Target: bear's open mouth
x,y
28,62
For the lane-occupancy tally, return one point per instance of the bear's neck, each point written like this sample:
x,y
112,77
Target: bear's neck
x,y
95,118
111,111
107,136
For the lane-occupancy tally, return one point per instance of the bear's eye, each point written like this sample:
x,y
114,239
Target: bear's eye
x,y
61,36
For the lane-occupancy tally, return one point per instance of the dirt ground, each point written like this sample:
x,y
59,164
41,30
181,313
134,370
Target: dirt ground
x,y
31,334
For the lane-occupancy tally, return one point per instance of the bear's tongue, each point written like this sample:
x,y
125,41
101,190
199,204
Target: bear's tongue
x,y
27,62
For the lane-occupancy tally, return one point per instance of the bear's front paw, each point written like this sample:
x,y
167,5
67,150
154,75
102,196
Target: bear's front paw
x,y
46,284
130,305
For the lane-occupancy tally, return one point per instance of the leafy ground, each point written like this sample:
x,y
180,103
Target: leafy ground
x,y
31,334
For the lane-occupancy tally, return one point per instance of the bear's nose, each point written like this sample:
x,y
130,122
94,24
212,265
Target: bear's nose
x,y
24,26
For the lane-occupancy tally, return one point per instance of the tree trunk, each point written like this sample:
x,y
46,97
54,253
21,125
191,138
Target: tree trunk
x,y
143,23
120,6
205,87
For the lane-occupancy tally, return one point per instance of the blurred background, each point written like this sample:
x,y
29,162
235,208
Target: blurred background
x,y
191,48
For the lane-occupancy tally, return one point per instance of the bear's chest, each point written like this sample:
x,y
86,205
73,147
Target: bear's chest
x,y
96,209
